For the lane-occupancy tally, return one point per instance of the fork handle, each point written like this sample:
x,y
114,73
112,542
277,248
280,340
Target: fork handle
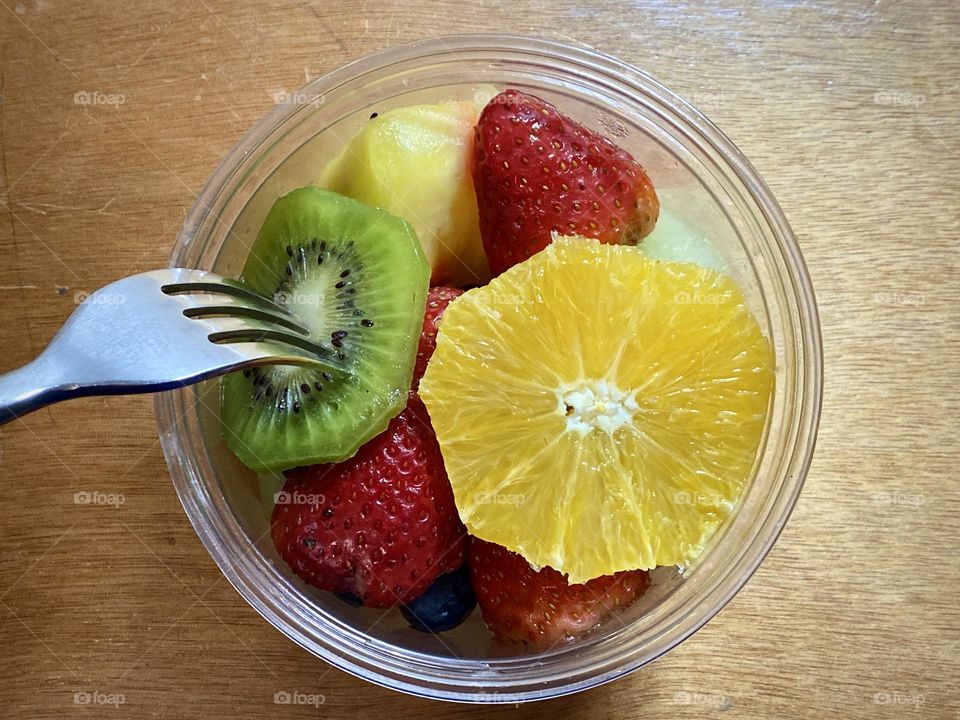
x,y
30,388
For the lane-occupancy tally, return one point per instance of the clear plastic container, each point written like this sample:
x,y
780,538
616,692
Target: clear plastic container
x,y
700,176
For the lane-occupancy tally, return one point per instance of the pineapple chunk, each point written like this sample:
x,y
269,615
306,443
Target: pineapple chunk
x,y
414,162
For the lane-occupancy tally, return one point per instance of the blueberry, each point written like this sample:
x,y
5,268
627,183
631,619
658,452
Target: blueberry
x,y
350,599
443,605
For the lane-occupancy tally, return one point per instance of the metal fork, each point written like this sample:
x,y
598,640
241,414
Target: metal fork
x,y
156,331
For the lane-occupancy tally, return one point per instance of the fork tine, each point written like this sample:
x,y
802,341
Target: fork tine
x,y
230,329
226,299
258,335
242,316
235,310
267,352
224,288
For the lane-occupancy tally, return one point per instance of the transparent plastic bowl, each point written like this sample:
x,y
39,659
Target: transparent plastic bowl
x,y
700,176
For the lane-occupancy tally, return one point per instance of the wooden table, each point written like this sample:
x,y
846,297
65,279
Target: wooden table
x,y
849,110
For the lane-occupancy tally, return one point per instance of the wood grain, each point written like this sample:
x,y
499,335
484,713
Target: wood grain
x,y
849,110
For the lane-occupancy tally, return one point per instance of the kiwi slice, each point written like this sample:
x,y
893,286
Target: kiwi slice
x,y
356,277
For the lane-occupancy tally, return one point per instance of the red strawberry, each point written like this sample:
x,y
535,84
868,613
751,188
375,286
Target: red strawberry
x,y
381,525
437,302
536,171
540,608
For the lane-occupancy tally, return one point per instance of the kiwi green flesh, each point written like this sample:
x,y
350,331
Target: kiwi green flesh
x,y
357,278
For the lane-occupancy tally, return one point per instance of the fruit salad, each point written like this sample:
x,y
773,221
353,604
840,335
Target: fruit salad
x,y
547,385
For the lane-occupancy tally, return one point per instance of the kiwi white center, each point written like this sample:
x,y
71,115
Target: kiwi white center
x,y
311,300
